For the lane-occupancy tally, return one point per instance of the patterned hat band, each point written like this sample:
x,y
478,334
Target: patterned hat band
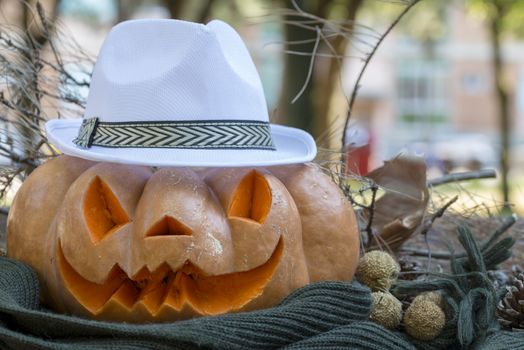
x,y
209,134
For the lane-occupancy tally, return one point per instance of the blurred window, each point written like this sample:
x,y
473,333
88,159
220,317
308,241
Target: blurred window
x,y
422,99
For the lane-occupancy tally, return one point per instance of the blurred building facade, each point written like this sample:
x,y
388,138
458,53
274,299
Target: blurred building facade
x,y
438,97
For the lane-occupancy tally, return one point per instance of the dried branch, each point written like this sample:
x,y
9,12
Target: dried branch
x,y
7,177
371,209
42,70
310,70
464,176
426,225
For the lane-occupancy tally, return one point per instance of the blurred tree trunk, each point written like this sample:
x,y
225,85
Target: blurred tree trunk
x,y
327,86
126,8
37,36
122,11
205,11
177,9
310,111
301,113
174,7
499,10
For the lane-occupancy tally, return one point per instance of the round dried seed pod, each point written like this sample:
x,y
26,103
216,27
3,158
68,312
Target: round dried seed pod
x,y
386,310
434,297
424,320
378,270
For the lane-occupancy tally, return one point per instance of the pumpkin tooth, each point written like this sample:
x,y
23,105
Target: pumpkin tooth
x,y
148,282
91,295
187,286
176,294
153,300
126,295
219,294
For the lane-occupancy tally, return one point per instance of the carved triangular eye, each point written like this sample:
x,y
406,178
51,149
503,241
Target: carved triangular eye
x,y
252,198
169,227
103,213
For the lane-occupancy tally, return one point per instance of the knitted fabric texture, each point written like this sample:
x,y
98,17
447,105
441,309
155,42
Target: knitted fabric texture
x,y
325,315
310,312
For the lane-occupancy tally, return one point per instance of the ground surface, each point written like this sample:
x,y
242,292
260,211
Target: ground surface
x,y
444,234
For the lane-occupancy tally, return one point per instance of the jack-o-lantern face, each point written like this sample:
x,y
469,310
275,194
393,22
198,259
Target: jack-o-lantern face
x,y
129,244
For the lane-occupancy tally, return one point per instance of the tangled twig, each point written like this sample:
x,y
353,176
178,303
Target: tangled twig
x,y
36,66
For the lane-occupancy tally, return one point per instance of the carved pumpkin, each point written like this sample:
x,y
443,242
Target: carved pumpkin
x,y
119,242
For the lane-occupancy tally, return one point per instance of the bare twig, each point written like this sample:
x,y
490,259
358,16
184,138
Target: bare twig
x,y
7,177
311,65
465,176
36,65
426,225
366,63
428,247
424,253
371,210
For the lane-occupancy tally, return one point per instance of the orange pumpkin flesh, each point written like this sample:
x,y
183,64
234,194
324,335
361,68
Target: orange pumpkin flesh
x,y
102,211
91,295
252,198
130,245
169,227
208,295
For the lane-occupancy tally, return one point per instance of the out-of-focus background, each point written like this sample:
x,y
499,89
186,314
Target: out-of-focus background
x,y
446,83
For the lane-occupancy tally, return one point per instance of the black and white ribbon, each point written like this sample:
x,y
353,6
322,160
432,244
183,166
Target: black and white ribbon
x,y
213,134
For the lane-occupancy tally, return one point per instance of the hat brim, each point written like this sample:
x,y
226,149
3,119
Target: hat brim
x,y
292,146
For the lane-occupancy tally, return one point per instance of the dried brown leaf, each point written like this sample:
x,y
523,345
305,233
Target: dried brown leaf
x,y
401,209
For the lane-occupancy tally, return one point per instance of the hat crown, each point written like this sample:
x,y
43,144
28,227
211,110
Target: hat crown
x,y
174,93
171,70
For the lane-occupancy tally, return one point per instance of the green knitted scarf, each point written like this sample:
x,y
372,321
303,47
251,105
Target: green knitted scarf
x,y
326,315
330,315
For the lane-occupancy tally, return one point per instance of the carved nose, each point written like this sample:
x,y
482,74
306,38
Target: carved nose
x,y
168,226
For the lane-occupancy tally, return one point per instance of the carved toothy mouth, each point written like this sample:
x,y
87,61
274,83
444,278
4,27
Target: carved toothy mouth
x,y
164,288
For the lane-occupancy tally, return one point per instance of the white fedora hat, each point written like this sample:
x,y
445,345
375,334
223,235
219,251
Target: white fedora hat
x,y
176,93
